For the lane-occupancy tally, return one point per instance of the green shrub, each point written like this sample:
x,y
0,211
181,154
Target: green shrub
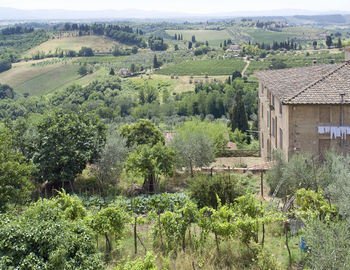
x,y
43,238
148,263
205,188
266,261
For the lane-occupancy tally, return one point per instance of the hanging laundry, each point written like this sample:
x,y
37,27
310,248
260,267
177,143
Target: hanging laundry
x,y
321,130
343,132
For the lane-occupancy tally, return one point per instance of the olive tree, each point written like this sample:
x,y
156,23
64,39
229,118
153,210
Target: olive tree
x,y
109,165
194,149
149,162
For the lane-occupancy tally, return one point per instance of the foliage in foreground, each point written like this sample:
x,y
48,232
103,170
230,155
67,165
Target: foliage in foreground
x,y
44,237
147,263
205,189
15,172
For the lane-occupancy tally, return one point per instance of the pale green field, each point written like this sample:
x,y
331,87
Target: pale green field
x,y
268,37
43,78
212,36
97,43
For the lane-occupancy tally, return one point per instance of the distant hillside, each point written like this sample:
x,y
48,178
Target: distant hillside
x,y
13,14
97,43
322,19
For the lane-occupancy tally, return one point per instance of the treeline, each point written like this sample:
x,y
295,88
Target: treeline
x,y
111,101
11,46
157,43
287,45
121,33
178,37
17,30
269,24
60,53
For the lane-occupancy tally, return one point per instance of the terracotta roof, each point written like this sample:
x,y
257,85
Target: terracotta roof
x,y
319,84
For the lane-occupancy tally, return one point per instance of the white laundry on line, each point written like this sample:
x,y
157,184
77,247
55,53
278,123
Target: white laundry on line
x,y
335,131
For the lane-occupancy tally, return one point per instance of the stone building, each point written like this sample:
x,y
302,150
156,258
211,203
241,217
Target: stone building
x,y
305,109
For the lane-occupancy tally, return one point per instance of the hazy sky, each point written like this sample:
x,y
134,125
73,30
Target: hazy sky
x,y
191,6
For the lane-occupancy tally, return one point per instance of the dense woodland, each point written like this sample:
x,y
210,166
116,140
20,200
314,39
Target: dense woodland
x,y
114,170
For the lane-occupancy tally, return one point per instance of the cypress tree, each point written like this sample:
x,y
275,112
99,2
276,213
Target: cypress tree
x,y
155,62
339,43
238,115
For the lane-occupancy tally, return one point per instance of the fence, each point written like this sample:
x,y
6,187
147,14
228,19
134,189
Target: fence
x,y
241,153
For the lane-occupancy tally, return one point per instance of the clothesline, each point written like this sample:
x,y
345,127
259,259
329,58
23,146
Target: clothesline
x,y
335,132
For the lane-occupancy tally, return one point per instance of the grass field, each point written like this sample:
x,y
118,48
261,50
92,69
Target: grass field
x,y
300,60
43,78
212,36
203,67
260,36
97,43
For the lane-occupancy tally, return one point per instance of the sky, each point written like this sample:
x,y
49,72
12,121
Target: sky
x,y
185,6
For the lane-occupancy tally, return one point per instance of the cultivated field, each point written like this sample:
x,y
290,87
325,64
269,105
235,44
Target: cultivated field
x,y
45,76
214,37
97,43
260,36
203,67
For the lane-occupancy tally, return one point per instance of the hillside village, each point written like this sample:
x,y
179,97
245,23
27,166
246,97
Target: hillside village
x,y
216,143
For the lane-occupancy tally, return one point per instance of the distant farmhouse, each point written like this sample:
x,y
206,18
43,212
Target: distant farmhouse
x,y
305,109
234,48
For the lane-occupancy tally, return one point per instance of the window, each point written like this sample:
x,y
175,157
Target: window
x,y
280,107
325,114
273,100
262,140
281,138
262,111
273,127
268,119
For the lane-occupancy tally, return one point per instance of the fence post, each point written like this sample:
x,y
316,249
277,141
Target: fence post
x,y
262,183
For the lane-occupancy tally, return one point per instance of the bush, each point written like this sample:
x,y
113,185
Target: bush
x,y
328,245
266,261
85,51
148,263
43,238
204,189
5,63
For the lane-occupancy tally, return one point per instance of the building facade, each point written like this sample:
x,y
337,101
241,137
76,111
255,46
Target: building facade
x,y
305,109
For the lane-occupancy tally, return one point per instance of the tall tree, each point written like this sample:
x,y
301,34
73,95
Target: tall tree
x,y
329,41
155,62
339,44
194,148
67,141
108,167
15,185
143,132
150,161
189,45
238,115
